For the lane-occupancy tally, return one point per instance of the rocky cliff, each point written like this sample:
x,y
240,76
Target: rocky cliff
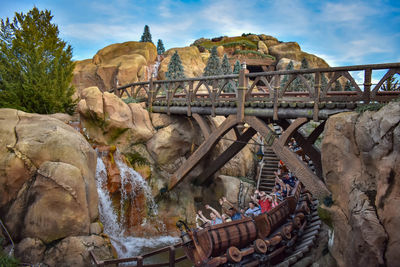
x,y
361,164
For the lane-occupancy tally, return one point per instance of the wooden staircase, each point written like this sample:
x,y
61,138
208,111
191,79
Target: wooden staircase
x,y
269,166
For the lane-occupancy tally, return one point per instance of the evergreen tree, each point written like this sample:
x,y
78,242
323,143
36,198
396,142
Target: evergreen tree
x,y
35,65
391,84
338,86
298,84
285,78
160,47
348,86
213,67
146,36
324,81
226,70
236,67
175,68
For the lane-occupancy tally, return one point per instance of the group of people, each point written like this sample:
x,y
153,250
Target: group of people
x,y
260,202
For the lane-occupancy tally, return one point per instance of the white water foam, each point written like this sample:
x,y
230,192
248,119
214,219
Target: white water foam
x,y
126,246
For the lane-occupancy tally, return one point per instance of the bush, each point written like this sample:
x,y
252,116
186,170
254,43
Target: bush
x,y
6,260
256,53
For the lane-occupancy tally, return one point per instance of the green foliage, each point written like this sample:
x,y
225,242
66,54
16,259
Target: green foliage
x,y
35,65
349,87
160,47
175,68
226,70
246,43
285,78
133,100
325,216
324,81
213,67
256,53
136,159
247,34
228,42
7,261
369,107
391,84
146,36
236,67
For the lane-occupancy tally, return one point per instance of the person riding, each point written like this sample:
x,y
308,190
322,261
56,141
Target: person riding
x,y
253,210
231,211
214,215
263,199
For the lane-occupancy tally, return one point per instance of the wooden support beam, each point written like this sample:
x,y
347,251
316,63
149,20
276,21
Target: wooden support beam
x,y
205,129
289,131
219,162
296,166
202,151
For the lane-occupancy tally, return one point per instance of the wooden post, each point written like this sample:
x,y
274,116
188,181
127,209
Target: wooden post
x,y
139,261
367,85
213,97
171,256
241,92
317,88
150,98
276,95
169,98
189,99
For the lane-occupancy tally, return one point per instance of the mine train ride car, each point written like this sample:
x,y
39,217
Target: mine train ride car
x,y
250,241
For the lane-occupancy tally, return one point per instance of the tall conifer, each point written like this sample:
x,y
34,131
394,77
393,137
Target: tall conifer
x,y
160,47
226,70
213,67
35,65
175,68
146,36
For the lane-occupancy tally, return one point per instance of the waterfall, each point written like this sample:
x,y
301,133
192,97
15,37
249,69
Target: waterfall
x,y
125,245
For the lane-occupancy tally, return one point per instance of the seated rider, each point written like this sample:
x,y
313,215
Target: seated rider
x,y
253,210
263,199
232,211
214,215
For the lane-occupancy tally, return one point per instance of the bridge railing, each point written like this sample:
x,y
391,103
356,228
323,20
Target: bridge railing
x,y
275,89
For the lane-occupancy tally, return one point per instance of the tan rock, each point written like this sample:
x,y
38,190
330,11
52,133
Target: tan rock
x,y
141,126
74,251
264,37
205,56
270,43
191,60
109,53
117,113
360,157
283,62
262,47
57,185
95,228
160,120
220,51
94,103
30,250
291,50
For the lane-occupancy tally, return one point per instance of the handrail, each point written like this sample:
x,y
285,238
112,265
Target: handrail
x,y
139,259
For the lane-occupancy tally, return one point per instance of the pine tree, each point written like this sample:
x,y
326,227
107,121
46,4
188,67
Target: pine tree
x,y
324,81
348,86
236,67
226,70
285,78
35,65
298,83
213,67
175,68
391,84
146,36
160,47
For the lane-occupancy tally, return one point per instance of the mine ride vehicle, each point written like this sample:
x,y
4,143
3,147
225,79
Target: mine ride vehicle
x,y
267,239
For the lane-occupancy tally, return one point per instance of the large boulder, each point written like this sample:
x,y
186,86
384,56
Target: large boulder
x,y
116,64
361,162
291,50
191,60
107,119
44,165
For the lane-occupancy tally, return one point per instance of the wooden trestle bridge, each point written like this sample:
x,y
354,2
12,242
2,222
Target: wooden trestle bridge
x,y
260,99
281,236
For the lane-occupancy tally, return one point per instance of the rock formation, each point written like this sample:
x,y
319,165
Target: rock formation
x,y
361,163
47,183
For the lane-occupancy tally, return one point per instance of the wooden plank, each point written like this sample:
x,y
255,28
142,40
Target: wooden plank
x,y
205,128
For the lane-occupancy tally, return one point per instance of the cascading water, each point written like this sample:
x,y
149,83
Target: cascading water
x,y
131,184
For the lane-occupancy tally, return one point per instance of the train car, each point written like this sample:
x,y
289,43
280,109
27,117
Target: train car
x,y
255,240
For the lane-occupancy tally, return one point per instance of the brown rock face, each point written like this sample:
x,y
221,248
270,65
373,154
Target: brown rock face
x,y
361,160
291,50
117,63
191,60
38,153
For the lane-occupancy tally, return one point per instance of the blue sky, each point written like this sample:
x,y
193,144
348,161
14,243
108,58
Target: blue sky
x,y
341,32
